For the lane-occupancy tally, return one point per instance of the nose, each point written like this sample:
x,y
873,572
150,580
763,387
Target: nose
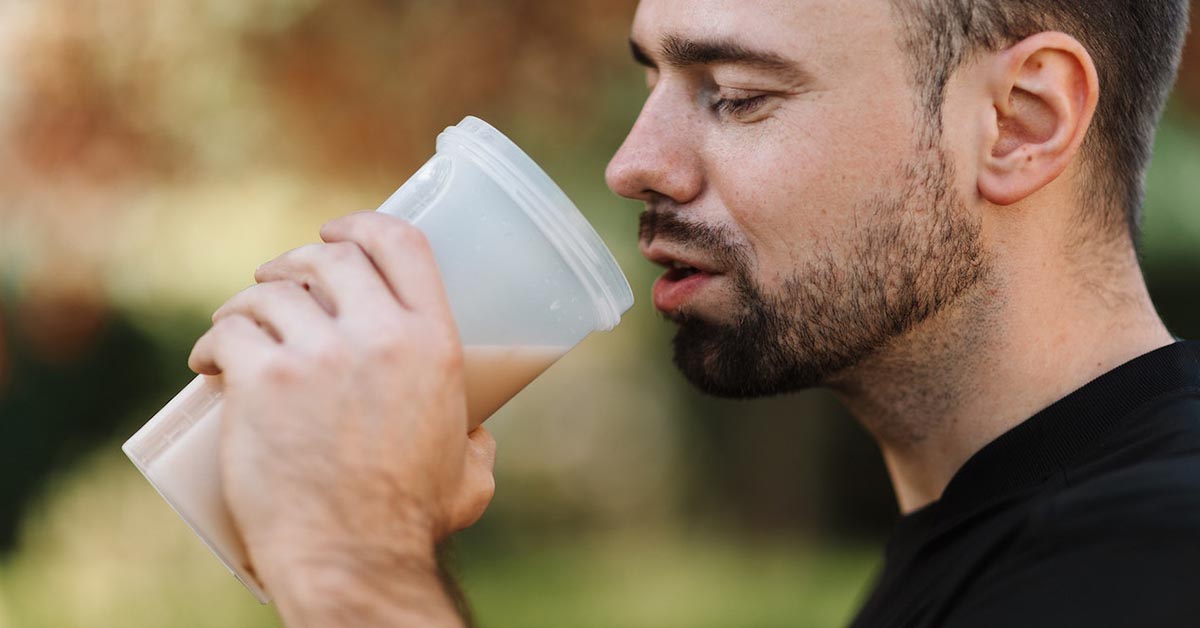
x,y
660,156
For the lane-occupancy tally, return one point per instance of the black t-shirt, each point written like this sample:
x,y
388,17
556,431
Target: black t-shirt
x,y
1087,514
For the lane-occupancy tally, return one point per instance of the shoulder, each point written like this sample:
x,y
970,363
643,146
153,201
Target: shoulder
x,y
1115,543
1146,476
1145,480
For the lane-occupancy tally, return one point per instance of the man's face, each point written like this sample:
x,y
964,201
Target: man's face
x,y
781,152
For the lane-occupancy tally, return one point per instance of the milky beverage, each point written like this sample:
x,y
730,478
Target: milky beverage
x,y
526,277
184,470
494,374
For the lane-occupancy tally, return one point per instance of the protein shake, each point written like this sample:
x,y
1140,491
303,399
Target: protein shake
x,y
527,279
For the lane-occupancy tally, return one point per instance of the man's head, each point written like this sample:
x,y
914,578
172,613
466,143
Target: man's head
x,y
841,173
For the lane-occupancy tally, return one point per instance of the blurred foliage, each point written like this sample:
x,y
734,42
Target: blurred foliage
x,y
153,152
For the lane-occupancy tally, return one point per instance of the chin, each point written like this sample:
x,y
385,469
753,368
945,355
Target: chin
x,y
738,361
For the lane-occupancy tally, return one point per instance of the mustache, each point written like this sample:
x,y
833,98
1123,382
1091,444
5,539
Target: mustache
x,y
717,241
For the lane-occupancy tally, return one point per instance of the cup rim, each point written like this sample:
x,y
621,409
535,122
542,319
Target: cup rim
x,y
551,211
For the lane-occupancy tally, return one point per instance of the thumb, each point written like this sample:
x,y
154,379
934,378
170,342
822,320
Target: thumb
x,y
478,484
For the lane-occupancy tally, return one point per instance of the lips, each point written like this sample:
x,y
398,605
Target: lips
x,y
677,261
684,279
676,289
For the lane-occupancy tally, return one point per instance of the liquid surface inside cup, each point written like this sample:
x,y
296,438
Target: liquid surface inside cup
x,y
494,374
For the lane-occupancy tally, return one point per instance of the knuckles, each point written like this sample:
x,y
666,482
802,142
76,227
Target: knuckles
x,y
226,324
441,345
374,230
291,369
407,338
310,259
249,298
329,354
280,371
406,237
337,253
383,340
399,237
390,347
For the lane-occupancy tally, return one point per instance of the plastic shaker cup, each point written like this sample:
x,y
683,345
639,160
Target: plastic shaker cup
x,y
527,278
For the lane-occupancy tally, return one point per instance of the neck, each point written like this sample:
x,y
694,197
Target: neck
x,y
1008,348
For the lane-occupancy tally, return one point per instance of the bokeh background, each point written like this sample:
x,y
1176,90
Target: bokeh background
x,y
153,152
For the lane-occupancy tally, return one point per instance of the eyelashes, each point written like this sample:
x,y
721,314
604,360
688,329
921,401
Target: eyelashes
x,y
739,106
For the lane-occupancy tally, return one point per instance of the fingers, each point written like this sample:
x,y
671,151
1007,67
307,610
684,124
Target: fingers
x,y
232,342
401,253
339,274
284,308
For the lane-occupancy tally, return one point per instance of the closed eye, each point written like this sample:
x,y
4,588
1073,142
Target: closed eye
x,y
739,106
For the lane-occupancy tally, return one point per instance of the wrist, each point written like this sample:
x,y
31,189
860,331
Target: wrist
x,y
361,584
295,556
329,539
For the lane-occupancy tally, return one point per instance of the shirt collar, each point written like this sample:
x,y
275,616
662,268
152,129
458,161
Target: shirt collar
x,y
1064,434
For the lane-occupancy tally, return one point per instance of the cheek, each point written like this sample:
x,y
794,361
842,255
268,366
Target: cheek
x,y
798,187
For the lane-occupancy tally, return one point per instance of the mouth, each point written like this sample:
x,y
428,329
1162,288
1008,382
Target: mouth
x,y
681,283
678,271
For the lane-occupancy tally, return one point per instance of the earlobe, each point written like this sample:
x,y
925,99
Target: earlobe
x,y
1044,92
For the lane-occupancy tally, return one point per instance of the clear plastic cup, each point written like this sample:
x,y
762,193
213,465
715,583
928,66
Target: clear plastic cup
x,y
527,278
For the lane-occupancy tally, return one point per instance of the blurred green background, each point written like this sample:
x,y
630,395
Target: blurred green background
x,y
153,152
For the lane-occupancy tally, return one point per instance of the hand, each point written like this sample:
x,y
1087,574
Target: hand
x,y
345,424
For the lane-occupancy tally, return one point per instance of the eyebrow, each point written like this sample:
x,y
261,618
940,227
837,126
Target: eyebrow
x,y
681,52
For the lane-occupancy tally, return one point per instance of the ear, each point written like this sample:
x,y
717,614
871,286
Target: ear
x,y
1044,90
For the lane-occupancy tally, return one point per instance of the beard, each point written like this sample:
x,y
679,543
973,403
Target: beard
x,y
922,251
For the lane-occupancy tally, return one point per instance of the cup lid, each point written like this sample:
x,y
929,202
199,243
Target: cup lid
x,y
551,210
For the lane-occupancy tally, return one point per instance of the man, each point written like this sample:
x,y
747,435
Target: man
x,y
928,206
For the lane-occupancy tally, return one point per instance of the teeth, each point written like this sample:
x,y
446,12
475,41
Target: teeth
x,y
680,266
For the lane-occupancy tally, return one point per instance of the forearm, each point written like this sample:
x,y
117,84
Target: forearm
x,y
368,588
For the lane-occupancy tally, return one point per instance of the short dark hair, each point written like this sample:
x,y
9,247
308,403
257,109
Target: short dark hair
x,y
1136,46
